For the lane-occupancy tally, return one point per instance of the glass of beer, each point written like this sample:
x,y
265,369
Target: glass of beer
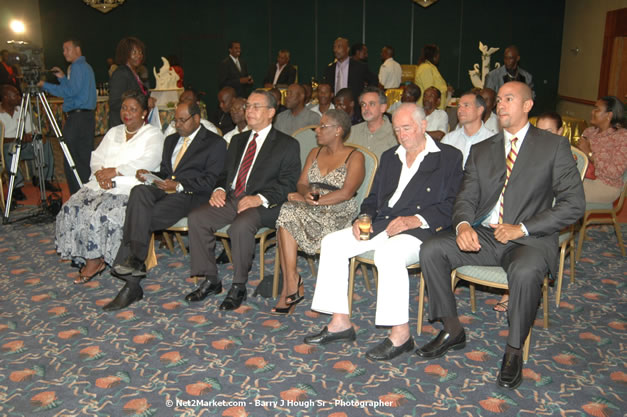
x,y
364,226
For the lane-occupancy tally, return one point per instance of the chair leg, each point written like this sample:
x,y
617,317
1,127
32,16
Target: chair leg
x,y
312,266
262,253
351,286
375,275
179,239
227,249
582,235
421,302
619,234
571,250
151,258
560,275
545,301
364,272
473,302
526,347
275,280
168,241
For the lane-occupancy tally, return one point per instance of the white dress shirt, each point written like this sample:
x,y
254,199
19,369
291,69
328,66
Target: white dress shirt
x,y
277,73
493,123
229,135
460,140
179,144
390,74
341,75
437,120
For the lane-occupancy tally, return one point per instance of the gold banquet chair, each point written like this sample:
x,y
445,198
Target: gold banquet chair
x,y
371,163
2,167
489,276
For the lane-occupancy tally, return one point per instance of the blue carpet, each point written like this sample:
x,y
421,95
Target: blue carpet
x,y
61,355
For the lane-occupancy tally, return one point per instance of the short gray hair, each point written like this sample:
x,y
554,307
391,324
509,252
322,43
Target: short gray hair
x,y
270,100
342,119
380,93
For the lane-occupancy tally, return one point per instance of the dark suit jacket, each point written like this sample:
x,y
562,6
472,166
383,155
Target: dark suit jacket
x,y
200,166
121,81
229,75
287,76
544,169
430,193
274,174
358,76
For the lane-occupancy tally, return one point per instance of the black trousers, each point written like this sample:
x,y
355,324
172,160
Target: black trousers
x,y
78,133
149,209
205,220
525,267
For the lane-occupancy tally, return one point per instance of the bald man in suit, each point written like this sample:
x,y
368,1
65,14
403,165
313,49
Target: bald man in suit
x,y
507,220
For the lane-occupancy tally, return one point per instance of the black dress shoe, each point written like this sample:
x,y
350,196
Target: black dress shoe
x,y
206,288
18,194
222,258
325,336
234,297
127,296
442,343
130,266
511,371
51,187
386,350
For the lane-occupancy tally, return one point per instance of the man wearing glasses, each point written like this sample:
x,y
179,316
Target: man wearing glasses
x,y
193,158
262,167
375,133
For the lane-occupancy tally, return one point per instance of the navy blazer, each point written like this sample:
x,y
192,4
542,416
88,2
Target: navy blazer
x,y
430,193
200,166
229,75
273,175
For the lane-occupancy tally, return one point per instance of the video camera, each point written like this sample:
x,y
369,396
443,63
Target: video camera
x,y
30,59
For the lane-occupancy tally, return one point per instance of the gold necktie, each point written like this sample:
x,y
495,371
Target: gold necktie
x,y
181,153
509,162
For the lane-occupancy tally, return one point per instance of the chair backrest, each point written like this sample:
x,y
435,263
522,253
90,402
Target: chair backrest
x,y
581,159
371,163
621,200
306,137
2,146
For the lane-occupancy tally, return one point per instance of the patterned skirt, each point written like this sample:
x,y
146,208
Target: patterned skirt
x,y
90,225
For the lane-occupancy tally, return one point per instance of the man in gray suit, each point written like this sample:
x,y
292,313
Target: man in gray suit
x,y
504,216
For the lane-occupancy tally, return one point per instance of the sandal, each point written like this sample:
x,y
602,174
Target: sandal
x,y
501,306
83,279
282,311
298,296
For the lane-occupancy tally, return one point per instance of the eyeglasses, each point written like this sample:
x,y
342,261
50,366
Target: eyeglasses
x,y
254,106
181,121
136,52
324,126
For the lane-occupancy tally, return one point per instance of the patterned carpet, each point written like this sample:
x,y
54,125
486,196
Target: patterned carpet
x,y
61,355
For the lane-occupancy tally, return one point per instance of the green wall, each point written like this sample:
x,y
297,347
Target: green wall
x,y
198,32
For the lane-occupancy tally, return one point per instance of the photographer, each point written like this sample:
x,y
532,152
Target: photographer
x,y
78,91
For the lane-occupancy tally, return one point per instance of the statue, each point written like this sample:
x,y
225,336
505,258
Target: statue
x,y
478,78
166,92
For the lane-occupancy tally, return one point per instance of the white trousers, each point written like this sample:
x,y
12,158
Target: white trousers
x,y
392,256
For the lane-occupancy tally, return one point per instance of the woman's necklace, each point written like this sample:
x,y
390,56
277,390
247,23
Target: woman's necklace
x,y
131,133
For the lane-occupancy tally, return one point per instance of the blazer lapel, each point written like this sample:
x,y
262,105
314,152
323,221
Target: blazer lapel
x,y
197,143
264,153
389,188
427,167
525,154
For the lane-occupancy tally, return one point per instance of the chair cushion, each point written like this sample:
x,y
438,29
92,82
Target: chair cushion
x,y
599,206
564,237
181,223
485,273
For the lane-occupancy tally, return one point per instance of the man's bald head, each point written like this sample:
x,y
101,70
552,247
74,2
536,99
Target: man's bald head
x,y
225,98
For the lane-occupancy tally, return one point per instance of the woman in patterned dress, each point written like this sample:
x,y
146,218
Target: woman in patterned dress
x,y
89,225
337,171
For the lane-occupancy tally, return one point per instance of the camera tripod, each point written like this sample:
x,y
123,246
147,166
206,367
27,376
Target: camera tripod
x,y
26,109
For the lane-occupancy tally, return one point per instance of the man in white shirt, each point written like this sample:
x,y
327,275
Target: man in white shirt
x,y
471,131
437,120
404,212
233,71
325,98
390,71
238,114
490,119
411,94
375,134
280,73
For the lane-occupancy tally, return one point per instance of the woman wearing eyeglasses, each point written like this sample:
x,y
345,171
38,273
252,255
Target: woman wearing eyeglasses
x,y
324,202
89,225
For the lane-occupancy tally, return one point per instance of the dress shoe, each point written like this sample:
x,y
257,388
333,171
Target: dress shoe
x,y
127,296
325,336
442,343
51,187
511,371
386,350
234,297
130,266
18,194
223,258
205,289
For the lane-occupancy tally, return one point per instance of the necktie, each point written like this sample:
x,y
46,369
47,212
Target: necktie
x,y
509,162
239,68
247,162
181,153
338,77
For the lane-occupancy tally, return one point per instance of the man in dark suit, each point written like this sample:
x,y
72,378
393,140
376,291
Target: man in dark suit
x,y
282,72
411,200
346,72
192,160
508,213
262,167
233,72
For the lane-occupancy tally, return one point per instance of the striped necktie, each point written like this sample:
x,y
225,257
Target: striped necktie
x,y
509,162
244,167
181,153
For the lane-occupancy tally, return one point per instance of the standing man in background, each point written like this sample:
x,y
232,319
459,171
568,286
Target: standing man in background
x,y
233,72
78,91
